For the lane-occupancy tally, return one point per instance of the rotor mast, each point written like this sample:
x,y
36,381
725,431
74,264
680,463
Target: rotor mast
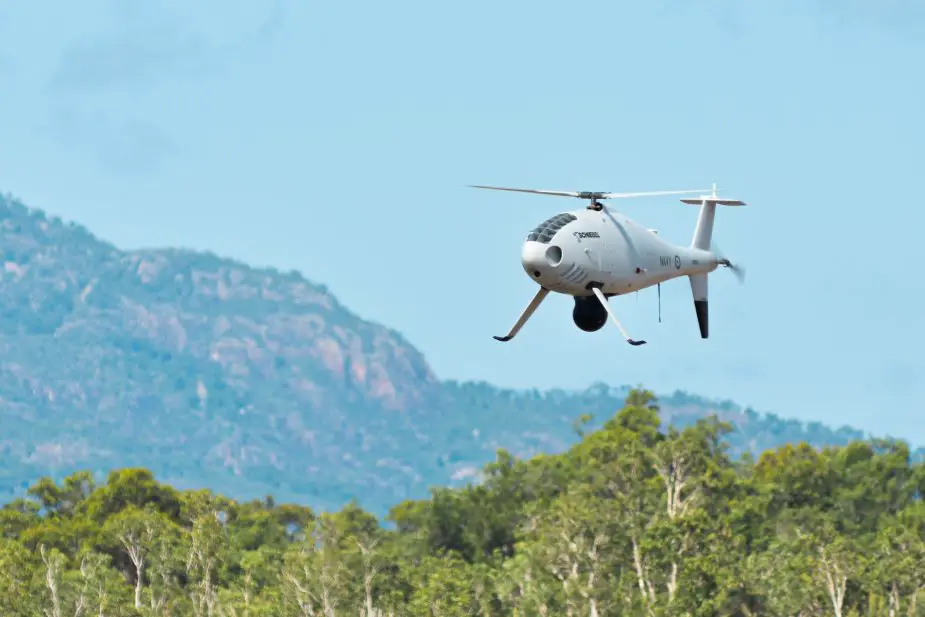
x,y
593,196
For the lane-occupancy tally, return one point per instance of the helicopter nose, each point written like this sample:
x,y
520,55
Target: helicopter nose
x,y
540,259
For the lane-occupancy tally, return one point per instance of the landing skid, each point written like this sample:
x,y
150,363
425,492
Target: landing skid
x,y
531,308
606,304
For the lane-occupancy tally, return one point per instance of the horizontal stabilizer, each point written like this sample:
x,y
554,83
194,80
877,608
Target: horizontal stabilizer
x,y
712,200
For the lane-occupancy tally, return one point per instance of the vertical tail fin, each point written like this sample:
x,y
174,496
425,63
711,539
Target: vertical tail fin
x,y
703,233
703,237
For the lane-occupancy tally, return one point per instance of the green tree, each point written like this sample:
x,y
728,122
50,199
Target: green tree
x,y
135,532
637,519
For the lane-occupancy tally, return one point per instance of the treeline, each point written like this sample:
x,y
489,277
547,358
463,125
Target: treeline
x,y
634,520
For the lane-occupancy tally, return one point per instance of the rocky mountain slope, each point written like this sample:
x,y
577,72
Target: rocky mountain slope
x,y
251,381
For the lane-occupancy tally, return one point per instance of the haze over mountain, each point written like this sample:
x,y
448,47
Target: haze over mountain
x,y
253,381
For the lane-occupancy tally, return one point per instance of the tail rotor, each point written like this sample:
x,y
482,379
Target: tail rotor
x,y
737,269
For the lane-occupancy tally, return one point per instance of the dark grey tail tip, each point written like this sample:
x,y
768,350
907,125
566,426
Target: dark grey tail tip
x,y
503,339
703,320
635,343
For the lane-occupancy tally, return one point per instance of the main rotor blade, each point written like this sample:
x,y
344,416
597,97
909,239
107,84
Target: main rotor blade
x,y
535,191
587,194
648,194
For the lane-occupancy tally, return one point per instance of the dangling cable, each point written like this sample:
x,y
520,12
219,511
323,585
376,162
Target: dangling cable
x,y
659,303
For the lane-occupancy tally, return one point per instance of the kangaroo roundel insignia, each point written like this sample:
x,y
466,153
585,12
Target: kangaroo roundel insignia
x,y
677,262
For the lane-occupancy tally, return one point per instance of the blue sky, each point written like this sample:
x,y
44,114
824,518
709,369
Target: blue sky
x,y
336,139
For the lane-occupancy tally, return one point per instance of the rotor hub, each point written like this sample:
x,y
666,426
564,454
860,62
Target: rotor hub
x,y
593,195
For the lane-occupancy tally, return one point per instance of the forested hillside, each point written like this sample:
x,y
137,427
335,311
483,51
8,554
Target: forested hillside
x,y
261,381
636,519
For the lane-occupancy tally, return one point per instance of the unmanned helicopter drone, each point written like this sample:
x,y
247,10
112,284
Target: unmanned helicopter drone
x,y
597,253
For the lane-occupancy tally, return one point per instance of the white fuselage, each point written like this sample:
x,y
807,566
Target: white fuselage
x,y
571,250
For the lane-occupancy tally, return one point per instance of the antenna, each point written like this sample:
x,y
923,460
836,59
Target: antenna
x,y
659,303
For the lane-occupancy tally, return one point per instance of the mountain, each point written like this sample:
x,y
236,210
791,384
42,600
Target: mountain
x,y
252,381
